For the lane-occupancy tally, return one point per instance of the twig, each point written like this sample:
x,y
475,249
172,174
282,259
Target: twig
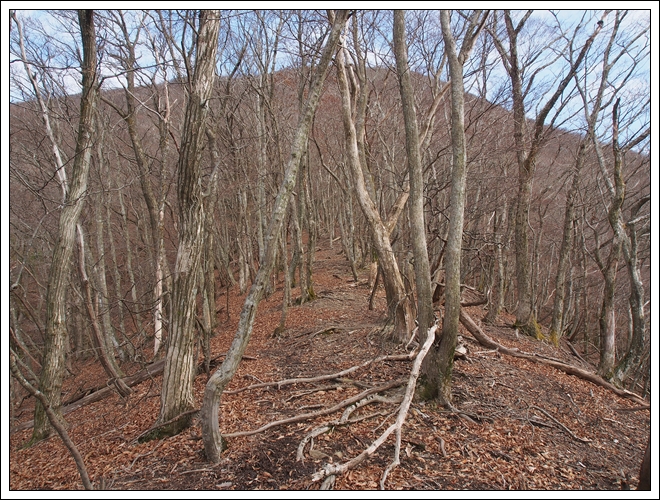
x,y
576,406
442,447
311,391
143,455
196,470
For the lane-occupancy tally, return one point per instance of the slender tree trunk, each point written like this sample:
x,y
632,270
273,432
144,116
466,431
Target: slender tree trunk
x,y
213,441
55,420
50,382
557,326
416,202
439,379
635,351
398,303
496,300
105,355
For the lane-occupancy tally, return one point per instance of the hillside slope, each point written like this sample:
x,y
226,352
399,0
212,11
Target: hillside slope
x,y
524,425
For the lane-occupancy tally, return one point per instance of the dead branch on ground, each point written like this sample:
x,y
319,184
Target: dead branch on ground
x,y
331,376
327,411
487,342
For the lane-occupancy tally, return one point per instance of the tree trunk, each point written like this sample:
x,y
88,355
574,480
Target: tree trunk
x,y
633,356
213,441
439,378
416,197
50,382
177,396
102,349
398,303
645,469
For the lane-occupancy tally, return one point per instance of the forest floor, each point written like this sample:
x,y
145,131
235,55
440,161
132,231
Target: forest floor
x,y
525,425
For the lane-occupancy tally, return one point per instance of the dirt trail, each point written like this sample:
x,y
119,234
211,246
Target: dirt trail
x,y
509,442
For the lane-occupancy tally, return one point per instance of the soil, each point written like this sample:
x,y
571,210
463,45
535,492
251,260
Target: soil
x,y
524,426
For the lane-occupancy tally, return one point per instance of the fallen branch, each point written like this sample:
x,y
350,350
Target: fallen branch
x,y
307,416
486,341
571,433
328,471
150,371
636,408
574,351
331,376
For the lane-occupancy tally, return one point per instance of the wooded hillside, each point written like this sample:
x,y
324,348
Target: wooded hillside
x,y
457,202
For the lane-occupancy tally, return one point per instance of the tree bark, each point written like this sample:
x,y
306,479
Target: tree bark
x,y
633,356
50,382
645,470
177,396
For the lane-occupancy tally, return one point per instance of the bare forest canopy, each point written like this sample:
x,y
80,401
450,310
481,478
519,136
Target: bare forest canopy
x,y
159,159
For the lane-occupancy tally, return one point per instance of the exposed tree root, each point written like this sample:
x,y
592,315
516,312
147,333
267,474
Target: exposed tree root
x,y
330,470
153,432
344,420
570,432
489,343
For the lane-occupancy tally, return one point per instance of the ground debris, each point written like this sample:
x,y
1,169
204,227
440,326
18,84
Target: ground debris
x,y
594,440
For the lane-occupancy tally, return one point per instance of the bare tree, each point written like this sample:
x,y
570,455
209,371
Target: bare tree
x,y
597,103
50,382
213,441
527,153
177,397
